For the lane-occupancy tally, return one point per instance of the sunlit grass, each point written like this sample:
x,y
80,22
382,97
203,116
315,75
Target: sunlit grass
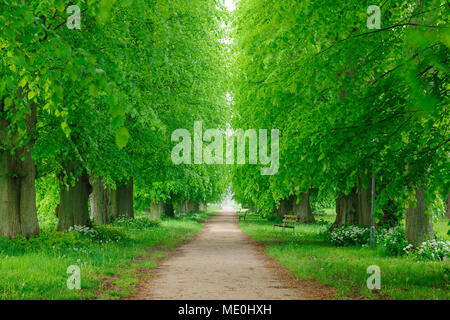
x,y
309,256
40,272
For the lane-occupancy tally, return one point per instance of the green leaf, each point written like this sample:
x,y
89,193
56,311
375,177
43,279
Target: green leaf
x,y
122,137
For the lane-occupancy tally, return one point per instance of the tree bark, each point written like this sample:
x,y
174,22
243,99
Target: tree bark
x,y
202,206
363,209
419,226
190,206
18,214
353,208
286,206
168,209
100,201
447,211
156,210
73,209
389,219
346,209
303,208
182,207
122,200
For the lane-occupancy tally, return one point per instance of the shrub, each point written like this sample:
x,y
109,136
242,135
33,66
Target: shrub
x,y
139,223
101,234
349,235
434,250
45,240
393,240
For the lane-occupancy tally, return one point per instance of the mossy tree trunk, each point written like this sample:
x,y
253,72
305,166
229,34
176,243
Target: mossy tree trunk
x,y
168,209
190,205
346,209
447,211
418,223
73,209
156,210
100,201
354,208
302,208
122,200
202,206
286,206
364,204
18,214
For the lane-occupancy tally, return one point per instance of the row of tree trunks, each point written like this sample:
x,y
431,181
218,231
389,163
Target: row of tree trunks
x,y
18,214
159,208
186,206
106,204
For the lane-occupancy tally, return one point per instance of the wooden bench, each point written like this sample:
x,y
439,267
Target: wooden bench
x,y
289,221
246,214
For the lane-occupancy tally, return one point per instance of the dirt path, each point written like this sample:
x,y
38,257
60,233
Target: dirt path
x,y
220,263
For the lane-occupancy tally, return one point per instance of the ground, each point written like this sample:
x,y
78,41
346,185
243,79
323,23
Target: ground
x,y
224,263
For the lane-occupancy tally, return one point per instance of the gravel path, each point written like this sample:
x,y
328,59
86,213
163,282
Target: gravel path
x,y
220,263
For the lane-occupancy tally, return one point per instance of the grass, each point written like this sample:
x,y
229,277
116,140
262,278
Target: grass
x,y
309,256
111,263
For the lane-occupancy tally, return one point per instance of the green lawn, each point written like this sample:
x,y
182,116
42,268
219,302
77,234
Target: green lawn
x,y
309,256
37,270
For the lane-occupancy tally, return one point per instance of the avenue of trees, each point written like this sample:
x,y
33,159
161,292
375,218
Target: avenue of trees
x,y
86,114
350,102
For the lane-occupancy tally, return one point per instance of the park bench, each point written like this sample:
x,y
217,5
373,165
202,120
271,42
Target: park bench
x,y
246,214
289,221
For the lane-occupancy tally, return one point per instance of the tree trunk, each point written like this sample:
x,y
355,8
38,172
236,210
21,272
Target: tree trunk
x,y
182,207
122,200
190,206
286,206
202,206
447,212
168,209
363,209
72,209
390,217
156,210
100,201
303,208
419,226
346,209
18,214
196,205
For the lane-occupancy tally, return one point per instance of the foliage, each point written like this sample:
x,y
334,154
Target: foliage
x,y
309,256
349,235
138,223
433,250
393,240
37,268
102,234
348,101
